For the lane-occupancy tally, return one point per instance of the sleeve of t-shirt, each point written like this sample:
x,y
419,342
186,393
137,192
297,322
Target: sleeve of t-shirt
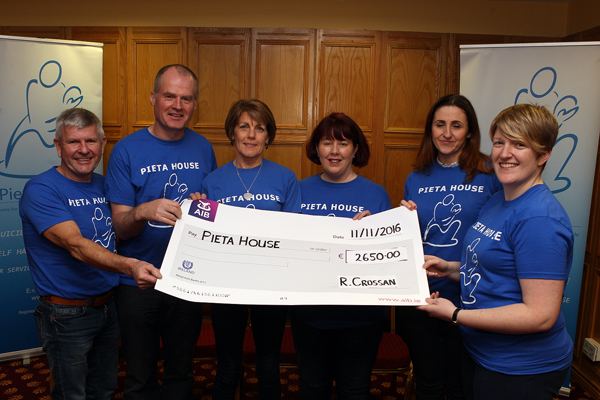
x,y
43,207
213,160
542,247
293,198
117,186
204,189
407,188
386,204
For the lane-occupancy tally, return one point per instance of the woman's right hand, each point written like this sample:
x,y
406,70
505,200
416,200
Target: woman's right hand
x,y
411,205
438,268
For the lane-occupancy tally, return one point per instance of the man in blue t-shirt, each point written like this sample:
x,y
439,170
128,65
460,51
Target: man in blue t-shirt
x,y
70,245
149,174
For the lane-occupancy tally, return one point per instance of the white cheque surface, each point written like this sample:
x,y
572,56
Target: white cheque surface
x,y
225,254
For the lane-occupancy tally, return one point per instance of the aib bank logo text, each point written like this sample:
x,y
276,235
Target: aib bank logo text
x,y
204,209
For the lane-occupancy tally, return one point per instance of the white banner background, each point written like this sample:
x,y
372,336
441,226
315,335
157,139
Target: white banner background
x,y
38,80
564,77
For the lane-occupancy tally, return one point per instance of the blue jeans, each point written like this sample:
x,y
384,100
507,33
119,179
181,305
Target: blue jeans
x,y
148,317
435,349
344,355
229,322
82,346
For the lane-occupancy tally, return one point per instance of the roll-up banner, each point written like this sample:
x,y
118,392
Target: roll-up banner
x,y
38,80
565,78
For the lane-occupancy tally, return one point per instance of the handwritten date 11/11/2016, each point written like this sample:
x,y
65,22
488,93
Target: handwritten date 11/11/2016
x,y
376,232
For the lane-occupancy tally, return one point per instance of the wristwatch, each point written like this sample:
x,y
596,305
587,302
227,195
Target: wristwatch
x,y
455,316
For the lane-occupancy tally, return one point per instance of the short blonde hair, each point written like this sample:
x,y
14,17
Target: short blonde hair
x,y
530,123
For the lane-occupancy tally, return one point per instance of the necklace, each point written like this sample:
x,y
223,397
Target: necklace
x,y
248,196
451,165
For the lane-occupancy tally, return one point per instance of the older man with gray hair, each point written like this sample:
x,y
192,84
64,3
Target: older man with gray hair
x,y
70,243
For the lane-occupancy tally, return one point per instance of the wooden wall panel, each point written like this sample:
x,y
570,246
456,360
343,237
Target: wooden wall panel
x,y
348,65
113,113
595,300
348,72
282,74
411,88
594,221
415,75
347,82
114,88
398,164
584,370
582,323
113,73
220,59
224,153
281,81
149,49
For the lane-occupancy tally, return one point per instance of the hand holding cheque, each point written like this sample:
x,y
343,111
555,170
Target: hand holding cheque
x,y
223,254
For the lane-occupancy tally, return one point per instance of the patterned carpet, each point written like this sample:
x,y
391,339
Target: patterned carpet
x,y
19,382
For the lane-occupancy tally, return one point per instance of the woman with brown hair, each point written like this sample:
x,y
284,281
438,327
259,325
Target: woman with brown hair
x,y
338,343
250,181
452,180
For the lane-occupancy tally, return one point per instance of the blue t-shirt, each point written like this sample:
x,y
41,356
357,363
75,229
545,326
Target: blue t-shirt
x,y
144,168
273,186
529,237
50,199
447,207
344,200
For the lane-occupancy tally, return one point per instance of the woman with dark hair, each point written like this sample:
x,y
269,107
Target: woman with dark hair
x,y
338,343
452,180
515,264
253,182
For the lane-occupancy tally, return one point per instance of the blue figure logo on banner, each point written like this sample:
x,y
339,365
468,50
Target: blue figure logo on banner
x,y
541,89
46,97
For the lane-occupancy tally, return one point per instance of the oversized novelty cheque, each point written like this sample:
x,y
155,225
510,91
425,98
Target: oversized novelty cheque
x,y
224,254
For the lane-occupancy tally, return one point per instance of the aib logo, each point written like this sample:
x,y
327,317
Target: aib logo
x,y
204,209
